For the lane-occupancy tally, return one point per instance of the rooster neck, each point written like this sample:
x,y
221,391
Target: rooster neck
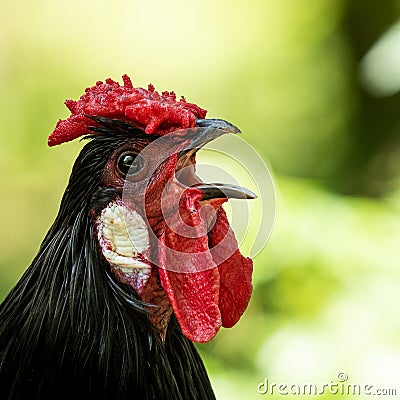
x,y
77,333
69,330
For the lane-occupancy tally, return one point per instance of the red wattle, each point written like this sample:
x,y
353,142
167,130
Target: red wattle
x,y
210,284
235,272
194,296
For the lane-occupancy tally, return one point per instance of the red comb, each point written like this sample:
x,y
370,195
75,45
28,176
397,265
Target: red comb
x,y
157,113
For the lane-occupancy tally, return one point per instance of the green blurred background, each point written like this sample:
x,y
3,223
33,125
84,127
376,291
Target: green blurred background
x,y
314,85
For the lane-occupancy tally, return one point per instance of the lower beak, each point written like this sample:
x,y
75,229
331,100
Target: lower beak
x,y
224,190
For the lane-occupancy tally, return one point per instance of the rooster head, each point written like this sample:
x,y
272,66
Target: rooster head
x,y
160,229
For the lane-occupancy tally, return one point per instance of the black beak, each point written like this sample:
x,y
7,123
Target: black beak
x,y
224,190
217,124
212,129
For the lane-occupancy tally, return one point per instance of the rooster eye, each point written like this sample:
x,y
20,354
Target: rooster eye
x,y
130,163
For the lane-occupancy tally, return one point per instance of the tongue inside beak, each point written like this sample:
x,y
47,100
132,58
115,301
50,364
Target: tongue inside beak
x,y
205,277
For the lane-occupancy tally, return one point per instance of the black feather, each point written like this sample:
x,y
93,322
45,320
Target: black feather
x,y
69,330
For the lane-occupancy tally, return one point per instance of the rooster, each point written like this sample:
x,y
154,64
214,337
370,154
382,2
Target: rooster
x,y
139,263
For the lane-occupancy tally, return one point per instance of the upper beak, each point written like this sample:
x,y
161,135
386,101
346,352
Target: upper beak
x,y
217,124
212,129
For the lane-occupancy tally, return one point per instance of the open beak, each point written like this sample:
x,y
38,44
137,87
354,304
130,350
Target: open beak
x,y
205,277
211,129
